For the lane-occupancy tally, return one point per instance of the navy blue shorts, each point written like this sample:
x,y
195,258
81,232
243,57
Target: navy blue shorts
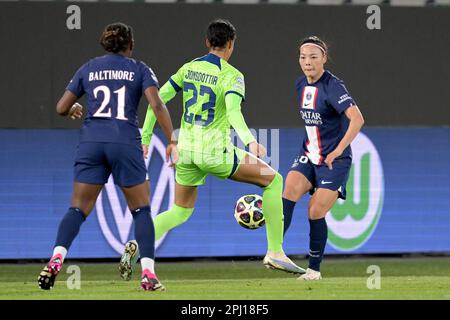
x,y
322,177
96,161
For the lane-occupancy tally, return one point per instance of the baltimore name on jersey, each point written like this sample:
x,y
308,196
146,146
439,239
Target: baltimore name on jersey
x,y
322,107
113,85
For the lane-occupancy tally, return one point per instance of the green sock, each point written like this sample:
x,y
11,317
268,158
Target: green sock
x,y
170,219
273,213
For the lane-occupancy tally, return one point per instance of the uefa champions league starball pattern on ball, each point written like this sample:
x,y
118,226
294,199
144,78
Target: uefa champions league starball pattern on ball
x,y
248,211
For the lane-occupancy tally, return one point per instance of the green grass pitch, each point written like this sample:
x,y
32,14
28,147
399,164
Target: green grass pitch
x,y
343,278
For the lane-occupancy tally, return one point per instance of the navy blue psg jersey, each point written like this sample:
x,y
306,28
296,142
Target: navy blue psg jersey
x,y
113,85
322,106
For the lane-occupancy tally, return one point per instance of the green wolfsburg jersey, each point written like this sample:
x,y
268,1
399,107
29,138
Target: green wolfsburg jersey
x,y
205,82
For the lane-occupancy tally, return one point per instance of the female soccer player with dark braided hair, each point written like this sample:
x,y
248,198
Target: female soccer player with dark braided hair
x,y
110,143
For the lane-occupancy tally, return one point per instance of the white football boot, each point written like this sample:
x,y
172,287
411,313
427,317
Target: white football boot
x,y
279,261
310,275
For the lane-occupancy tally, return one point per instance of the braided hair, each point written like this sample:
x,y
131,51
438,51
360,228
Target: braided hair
x,y
116,37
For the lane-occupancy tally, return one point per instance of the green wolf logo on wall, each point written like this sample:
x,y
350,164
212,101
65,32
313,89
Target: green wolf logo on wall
x,y
352,222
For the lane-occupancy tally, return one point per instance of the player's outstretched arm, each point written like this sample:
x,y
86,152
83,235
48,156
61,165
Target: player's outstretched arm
x,y
167,93
163,117
149,124
236,119
68,106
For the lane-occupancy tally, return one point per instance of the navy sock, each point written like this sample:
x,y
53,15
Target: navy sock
x,y
288,210
318,235
144,232
69,227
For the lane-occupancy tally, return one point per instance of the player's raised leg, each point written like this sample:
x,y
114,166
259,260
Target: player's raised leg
x,y
320,203
182,209
137,200
83,200
296,185
255,171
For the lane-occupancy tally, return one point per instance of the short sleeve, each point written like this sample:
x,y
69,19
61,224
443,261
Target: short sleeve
x,y
236,85
176,80
339,97
148,77
76,83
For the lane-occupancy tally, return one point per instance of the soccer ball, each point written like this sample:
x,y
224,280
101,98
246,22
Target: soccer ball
x,y
248,211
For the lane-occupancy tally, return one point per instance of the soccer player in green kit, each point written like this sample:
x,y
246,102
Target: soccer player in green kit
x,y
212,94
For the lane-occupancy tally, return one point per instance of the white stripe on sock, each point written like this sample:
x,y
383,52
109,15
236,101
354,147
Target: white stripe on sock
x,y
149,264
60,250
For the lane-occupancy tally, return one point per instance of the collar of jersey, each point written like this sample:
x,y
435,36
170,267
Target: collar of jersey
x,y
318,80
211,58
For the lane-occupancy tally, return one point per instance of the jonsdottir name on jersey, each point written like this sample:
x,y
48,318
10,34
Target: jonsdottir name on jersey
x,y
202,77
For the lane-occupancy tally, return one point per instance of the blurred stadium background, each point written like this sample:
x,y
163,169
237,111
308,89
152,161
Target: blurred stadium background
x,y
399,200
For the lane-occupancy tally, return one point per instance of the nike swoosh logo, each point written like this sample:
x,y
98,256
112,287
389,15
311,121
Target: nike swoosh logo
x,y
326,182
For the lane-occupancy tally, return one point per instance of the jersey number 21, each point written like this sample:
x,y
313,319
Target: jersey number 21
x,y
105,112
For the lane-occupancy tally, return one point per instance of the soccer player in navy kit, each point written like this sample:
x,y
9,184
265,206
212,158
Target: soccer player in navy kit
x,y
110,143
332,121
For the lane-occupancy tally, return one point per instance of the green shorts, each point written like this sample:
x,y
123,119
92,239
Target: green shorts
x,y
193,167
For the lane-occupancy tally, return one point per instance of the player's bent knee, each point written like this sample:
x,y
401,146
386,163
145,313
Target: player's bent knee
x,y
292,191
276,183
85,208
316,212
